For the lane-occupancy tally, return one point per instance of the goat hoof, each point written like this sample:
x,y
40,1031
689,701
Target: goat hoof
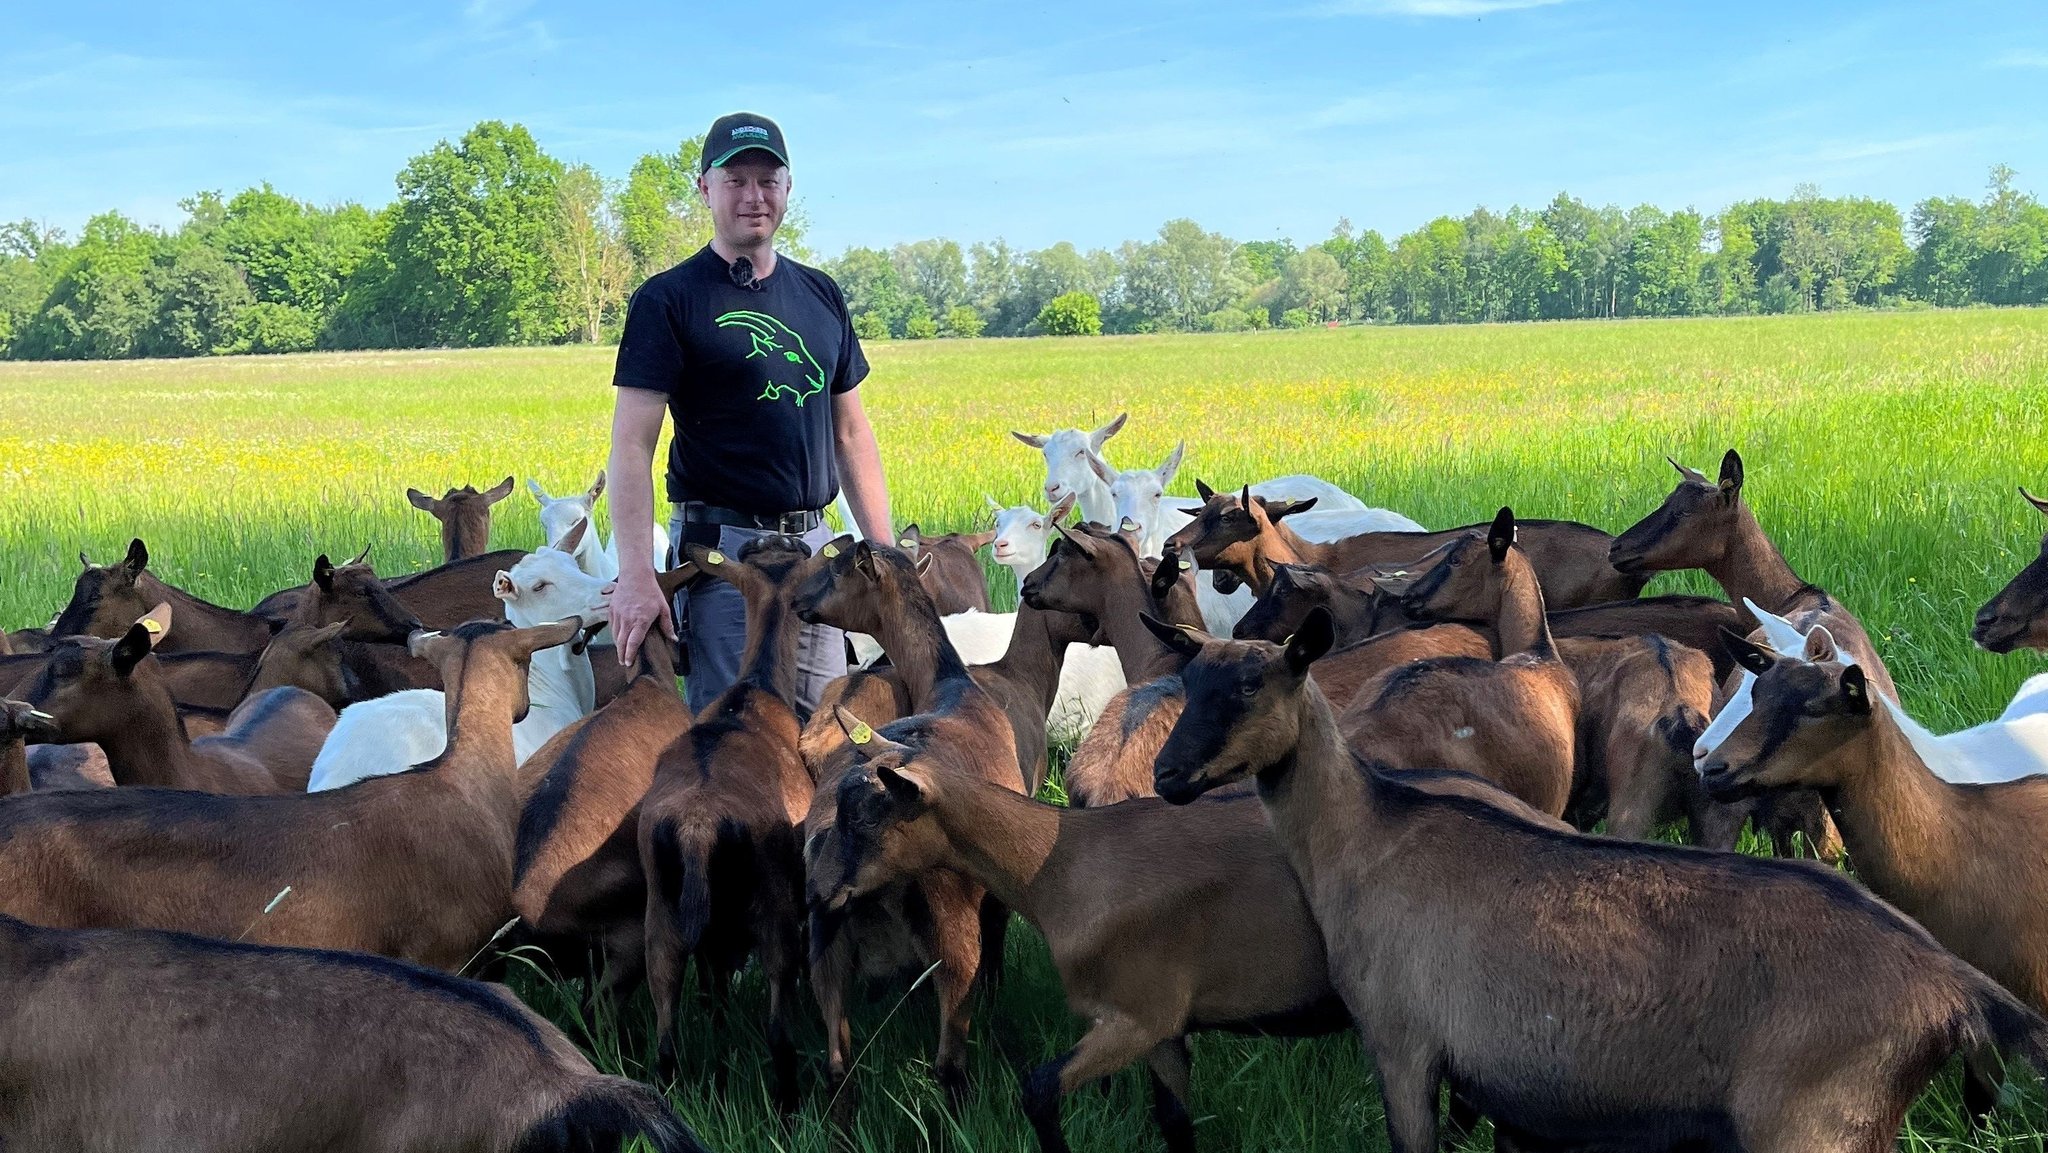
x,y
953,1079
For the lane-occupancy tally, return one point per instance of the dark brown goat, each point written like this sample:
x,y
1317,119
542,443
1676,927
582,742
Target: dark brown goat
x,y
1513,720
876,591
2017,618
20,722
1814,724
142,1040
955,579
1246,536
331,869
441,597
1810,1028
465,516
112,694
26,641
718,827
107,599
1643,701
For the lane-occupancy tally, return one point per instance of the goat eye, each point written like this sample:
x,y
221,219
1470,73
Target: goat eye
x,y
1250,689
1037,524
541,587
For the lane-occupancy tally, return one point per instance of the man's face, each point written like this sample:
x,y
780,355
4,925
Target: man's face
x,y
747,197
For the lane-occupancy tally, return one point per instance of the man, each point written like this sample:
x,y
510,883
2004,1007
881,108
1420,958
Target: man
x,y
755,356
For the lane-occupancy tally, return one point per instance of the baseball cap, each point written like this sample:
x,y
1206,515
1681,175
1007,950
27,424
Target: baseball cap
x,y
739,132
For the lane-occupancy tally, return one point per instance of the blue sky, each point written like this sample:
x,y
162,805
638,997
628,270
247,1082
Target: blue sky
x,y
1091,122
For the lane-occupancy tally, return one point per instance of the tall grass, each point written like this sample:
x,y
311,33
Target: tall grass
x,y
1882,451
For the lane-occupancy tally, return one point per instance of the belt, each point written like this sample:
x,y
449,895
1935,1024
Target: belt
x,y
792,523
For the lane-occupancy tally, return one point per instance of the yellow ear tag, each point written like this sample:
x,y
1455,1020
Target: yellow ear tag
x,y
714,557
831,550
906,542
1186,564
151,624
861,734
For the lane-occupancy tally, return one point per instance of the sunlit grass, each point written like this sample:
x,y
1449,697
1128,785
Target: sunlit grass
x,y
1882,451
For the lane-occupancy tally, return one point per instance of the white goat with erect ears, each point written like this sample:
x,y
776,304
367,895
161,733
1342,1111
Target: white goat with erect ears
x,y
2013,746
396,732
559,514
1067,468
1024,535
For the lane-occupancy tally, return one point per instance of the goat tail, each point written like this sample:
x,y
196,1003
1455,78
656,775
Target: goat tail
x,y
2002,1021
603,1113
1681,729
682,866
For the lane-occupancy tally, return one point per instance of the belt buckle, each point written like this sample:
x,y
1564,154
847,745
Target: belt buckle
x,y
790,524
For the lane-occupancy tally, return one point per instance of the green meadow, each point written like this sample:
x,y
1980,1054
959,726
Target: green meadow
x,y
1882,451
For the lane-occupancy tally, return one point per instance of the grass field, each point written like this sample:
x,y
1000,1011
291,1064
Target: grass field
x,y
1882,450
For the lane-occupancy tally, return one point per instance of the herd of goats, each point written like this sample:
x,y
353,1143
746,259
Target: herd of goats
x,y
1333,771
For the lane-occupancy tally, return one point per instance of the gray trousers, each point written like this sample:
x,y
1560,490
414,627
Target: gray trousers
x,y
713,624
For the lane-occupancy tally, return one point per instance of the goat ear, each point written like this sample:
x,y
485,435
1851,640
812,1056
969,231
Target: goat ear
x,y
2036,501
503,588
1318,632
1278,509
421,643
1183,639
865,740
1749,655
1171,465
498,491
910,537
131,648
1856,689
1501,537
1244,499
596,488
137,558
711,562
1100,468
1027,438
326,633
1689,473
1731,473
1203,490
1101,435
1060,510
580,644
157,622
87,561
573,539
547,636
323,573
420,500
540,494
674,579
906,785
1167,574
1820,646
864,560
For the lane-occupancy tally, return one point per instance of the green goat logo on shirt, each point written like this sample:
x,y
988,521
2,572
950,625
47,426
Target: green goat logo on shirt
x,y
786,353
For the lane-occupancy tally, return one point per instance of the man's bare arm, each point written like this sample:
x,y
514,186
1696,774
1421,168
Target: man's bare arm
x,y
860,467
637,603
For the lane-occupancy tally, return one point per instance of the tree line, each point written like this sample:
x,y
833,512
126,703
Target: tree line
x,y
491,241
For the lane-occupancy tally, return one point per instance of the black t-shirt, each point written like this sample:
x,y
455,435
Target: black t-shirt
x,y
749,377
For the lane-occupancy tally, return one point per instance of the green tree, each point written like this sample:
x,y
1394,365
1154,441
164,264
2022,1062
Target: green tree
x,y
872,285
99,303
1070,314
917,321
591,263
201,299
868,326
662,219
1312,281
962,320
1665,262
293,256
28,253
933,269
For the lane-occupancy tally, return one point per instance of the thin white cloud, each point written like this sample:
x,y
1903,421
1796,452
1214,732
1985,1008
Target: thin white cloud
x,y
2022,59
1429,7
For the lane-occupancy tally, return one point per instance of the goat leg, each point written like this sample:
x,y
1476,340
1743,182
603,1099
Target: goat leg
x,y
1171,1082
1409,1086
831,977
1112,1043
955,904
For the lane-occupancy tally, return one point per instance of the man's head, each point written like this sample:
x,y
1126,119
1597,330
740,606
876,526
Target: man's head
x,y
745,179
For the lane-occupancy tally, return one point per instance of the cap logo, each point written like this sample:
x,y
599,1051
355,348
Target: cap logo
x,y
752,131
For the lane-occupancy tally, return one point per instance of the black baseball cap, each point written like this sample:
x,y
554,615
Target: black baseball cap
x,y
741,132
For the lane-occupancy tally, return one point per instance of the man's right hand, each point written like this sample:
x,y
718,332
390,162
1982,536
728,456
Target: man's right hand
x,y
637,604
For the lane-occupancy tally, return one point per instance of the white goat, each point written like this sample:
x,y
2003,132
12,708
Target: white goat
x,y
396,732
2013,746
559,514
1068,473
1024,536
1089,676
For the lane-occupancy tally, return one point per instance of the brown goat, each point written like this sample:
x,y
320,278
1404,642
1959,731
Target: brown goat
x,y
415,865
144,1040
106,600
465,516
1246,536
1810,1027
1707,525
955,579
1514,720
576,861
876,591
111,693
441,597
25,641
718,827
19,722
2017,618
1813,724
1643,701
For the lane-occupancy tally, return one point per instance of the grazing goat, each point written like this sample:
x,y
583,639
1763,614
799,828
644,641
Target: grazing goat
x,y
393,733
954,576
1245,536
938,916
106,600
1069,473
145,1040
2017,618
718,828
1810,1027
111,693
415,865
1023,535
465,516
1813,724
1513,720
